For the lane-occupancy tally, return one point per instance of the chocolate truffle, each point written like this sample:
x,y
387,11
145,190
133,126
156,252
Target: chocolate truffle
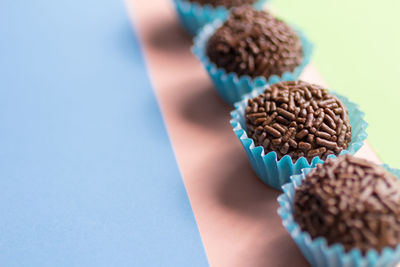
x,y
350,201
298,119
224,3
254,43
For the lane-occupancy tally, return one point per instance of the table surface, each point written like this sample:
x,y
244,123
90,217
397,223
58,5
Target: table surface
x,y
235,212
88,176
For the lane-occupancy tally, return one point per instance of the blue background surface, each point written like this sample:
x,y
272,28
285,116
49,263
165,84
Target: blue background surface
x,y
87,173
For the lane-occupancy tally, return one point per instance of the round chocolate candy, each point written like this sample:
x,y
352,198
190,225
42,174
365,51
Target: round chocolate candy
x,y
254,43
352,202
298,119
224,3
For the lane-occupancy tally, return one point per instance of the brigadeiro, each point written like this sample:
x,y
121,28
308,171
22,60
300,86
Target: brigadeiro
x,y
352,202
255,43
250,49
224,3
194,14
298,119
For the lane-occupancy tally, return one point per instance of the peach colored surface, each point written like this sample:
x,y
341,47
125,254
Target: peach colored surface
x,y
235,212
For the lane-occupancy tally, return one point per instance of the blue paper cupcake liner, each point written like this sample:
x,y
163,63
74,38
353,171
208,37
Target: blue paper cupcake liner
x,y
317,251
274,172
194,16
232,87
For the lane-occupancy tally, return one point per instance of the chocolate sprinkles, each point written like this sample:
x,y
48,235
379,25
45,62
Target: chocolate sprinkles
x,y
255,43
350,201
225,3
295,119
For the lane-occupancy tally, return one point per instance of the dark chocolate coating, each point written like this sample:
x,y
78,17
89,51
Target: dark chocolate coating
x,y
298,119
224,3
350,201
254,43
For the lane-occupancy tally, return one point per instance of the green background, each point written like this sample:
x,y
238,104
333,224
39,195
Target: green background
x,y
358,54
